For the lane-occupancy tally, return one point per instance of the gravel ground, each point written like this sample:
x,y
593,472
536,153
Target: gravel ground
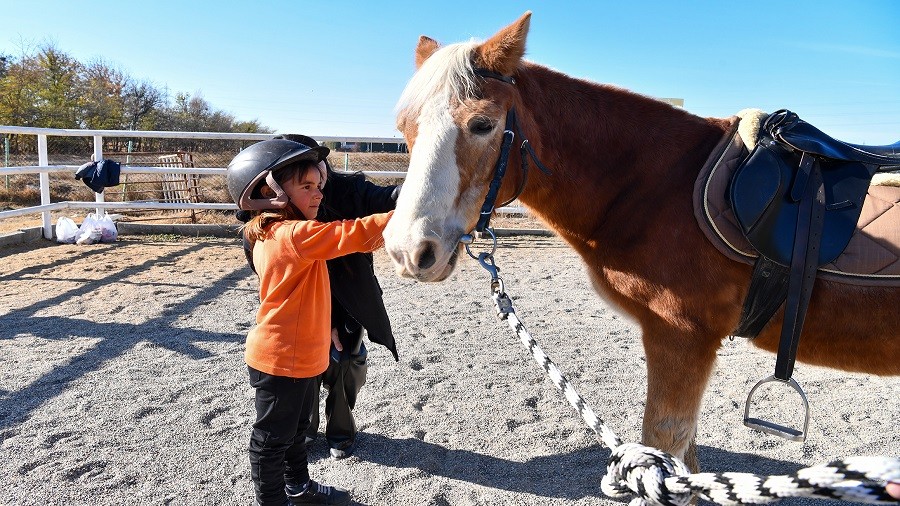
x,y
122,382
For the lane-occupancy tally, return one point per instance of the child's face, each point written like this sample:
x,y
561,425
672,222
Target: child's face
x,y
305,191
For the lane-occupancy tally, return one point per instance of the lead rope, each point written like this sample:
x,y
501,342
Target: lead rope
x,y
655,477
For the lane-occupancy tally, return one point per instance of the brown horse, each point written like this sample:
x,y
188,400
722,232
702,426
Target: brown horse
x,y
623,168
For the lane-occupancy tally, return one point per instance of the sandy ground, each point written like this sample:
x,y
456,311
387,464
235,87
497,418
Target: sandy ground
x,y
122,382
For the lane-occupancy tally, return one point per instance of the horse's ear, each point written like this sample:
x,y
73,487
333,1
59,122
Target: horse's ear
x,y
427,46
502,52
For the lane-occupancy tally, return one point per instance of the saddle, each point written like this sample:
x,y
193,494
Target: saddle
x,y
797,199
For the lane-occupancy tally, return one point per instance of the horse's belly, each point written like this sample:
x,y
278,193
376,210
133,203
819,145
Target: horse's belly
x,y
847,327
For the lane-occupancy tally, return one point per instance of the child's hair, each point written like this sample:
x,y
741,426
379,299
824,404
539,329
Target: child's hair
x,y
255,229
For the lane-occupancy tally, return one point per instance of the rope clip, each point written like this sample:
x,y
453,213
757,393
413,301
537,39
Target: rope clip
x,y
486,258
498,291
502,302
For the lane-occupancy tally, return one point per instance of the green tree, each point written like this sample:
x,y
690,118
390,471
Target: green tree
x,y
49,88
250,127
58,93
19,94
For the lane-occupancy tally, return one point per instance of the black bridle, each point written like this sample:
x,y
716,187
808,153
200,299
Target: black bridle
x,y
525,150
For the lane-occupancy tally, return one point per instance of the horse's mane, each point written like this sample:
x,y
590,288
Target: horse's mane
x,y
446,75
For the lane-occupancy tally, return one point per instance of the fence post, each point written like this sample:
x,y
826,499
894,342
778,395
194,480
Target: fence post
x,y
6,157
98,155
346,161
125,176
44,179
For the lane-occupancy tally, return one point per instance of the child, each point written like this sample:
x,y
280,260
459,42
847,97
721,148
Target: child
x,y
356,305
286,351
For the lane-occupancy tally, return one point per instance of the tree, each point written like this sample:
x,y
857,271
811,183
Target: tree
x,y
141,100
252,126
59,88
19,94
103,89
49,88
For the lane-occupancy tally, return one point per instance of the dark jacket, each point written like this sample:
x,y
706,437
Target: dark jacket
x,y
353,282
99,175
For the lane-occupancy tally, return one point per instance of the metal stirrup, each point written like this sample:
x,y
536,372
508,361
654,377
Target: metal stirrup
x,y
773,428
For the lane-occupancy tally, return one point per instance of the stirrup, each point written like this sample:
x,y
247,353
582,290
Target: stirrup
x,y
773,428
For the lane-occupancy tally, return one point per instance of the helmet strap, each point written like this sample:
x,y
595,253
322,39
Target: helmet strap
x,y
281,198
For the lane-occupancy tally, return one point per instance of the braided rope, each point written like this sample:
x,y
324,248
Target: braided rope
x,y
658,478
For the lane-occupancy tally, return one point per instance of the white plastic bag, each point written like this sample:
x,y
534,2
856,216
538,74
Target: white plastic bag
x,y
66,230
108,232
90,231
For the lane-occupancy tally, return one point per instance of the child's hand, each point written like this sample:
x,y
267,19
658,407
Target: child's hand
x,y
336,340
893,489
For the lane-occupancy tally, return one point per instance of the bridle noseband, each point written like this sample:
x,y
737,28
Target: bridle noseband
x,y
525,149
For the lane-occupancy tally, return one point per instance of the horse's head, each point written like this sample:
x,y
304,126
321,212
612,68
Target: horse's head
x,y
453,122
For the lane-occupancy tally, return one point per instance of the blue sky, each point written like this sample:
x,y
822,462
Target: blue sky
x,y
337,68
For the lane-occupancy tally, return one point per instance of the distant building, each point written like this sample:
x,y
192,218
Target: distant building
x,y
677,102
369,147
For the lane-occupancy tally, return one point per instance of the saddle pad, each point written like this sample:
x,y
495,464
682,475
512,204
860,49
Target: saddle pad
x,y
872,258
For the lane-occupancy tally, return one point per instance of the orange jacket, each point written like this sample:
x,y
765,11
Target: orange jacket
x,y
293,325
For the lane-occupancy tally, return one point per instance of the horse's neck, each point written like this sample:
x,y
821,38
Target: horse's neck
x,y
602,142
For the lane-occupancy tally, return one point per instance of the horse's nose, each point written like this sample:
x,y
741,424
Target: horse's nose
x,y
425,257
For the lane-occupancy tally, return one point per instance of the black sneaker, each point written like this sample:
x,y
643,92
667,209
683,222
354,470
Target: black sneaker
x,y
316,493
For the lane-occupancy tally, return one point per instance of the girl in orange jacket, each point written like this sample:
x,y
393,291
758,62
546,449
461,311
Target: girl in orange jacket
x,y
288,348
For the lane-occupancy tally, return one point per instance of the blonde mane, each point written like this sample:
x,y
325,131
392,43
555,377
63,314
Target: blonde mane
x,y
446,75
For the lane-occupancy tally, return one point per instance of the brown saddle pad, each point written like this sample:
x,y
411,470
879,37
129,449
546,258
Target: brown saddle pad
x,y
871,258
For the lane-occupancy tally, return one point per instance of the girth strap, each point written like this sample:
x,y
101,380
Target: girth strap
x,y
804,261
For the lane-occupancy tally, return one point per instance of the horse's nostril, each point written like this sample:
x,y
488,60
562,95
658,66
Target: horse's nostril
x,y
426,256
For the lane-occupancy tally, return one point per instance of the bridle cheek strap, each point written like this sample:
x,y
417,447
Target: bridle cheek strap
x,y
487,209
525,150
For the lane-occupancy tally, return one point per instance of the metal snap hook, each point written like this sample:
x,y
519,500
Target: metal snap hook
x,y
487,261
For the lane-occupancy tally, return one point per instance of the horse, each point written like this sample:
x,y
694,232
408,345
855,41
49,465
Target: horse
x,y
622,170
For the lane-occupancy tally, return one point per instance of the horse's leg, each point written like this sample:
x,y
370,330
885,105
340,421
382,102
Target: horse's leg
x,y
679,364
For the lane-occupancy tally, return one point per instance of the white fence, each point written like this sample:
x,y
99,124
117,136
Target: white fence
x,y
44,169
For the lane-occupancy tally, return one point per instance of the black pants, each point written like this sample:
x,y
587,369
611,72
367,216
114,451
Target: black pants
x,y
277,450
345,376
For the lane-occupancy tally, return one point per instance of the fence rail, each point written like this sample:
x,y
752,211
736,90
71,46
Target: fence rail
x,y
44,169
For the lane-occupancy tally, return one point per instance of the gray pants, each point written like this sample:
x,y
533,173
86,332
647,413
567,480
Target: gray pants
x,y
345,376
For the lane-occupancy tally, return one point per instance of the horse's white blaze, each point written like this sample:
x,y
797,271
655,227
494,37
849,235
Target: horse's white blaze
x,y
425,208
427,221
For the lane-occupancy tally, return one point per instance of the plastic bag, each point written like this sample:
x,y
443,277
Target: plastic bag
x,y
90,231
66,230
108,232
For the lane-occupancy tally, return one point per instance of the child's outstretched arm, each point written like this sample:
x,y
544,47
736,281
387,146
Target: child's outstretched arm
x,y
323,241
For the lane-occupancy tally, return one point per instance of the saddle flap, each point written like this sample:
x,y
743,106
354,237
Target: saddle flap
x,y
757,182
767,214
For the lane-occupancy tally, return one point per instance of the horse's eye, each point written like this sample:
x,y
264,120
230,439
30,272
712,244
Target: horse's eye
x,y
481,126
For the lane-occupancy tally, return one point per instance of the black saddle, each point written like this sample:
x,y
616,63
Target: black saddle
x,y
770,187
802,136
797,199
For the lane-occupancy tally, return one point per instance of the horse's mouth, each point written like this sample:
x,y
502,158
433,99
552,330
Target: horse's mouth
x,y
438,271
450,265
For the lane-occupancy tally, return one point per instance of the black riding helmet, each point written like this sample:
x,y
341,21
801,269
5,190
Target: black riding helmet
x,y
302,139
254,165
